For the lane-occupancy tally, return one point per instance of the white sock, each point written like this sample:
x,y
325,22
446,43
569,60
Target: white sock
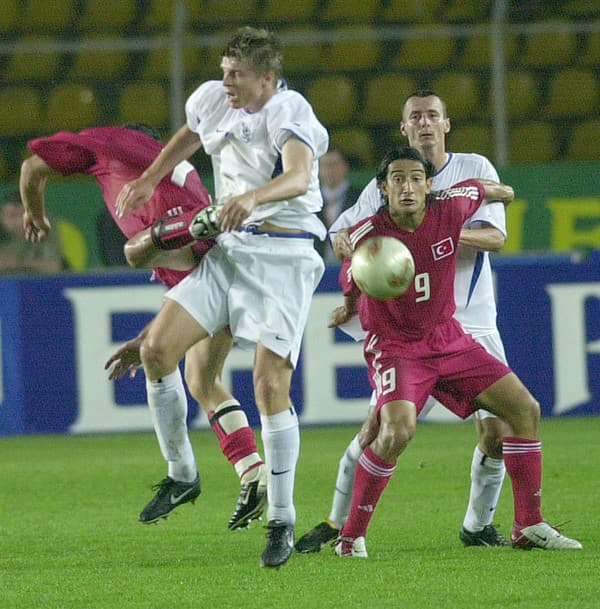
x,y
168,406
342,496
487,476
281,440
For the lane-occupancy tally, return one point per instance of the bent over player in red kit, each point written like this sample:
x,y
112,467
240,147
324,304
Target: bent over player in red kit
x,y
114,156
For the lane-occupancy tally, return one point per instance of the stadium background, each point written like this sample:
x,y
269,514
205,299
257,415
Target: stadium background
x,y
522,84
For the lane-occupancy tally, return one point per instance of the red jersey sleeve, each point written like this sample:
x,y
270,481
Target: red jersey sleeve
x,y
467,196
345,279
64,152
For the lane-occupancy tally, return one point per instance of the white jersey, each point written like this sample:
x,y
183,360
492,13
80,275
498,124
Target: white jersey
x,y
246,150
473,285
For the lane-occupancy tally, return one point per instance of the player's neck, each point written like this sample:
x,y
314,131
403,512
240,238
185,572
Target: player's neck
x,y
436,155
260,102
409,221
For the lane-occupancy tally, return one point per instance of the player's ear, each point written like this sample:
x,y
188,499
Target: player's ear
x,y
403,129
447,125
429,182
270,78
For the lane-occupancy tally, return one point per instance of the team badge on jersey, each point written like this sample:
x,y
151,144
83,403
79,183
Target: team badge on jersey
x,y
246,132
443,248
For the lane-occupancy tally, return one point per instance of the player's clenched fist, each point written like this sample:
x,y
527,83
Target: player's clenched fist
x,y
342,248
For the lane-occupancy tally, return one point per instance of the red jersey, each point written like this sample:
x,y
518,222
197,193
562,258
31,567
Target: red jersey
x,y
116,156
429,301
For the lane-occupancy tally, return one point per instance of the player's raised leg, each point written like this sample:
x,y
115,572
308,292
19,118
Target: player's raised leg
x,y
203,369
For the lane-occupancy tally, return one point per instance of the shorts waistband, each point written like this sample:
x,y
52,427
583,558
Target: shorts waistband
x,y
255,230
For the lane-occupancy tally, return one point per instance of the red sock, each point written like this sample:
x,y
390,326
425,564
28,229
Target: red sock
x,y
238,446
523,460
371,477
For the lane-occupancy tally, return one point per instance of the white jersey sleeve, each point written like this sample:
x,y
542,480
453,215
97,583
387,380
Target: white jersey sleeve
x,y
290,114
367,204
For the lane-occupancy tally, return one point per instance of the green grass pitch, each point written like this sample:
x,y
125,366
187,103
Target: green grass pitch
x,y
69,536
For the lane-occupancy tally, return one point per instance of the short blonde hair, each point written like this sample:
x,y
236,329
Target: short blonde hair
x,y
258,48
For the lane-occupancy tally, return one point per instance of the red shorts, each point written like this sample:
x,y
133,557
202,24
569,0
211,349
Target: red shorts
x,y
455,370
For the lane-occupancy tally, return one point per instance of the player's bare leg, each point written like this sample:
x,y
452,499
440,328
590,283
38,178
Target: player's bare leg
x,y
142,251
203,368
398,420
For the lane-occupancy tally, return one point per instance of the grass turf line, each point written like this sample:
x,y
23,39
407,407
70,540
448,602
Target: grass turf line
x,y
69,536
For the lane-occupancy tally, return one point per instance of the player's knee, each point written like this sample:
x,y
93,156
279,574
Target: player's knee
x,y
491,446
269,393
492,432
394,438
155,354
533,411
132,255
524,420
200,386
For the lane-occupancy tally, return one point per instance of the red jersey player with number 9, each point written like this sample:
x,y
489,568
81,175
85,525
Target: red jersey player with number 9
x,y
415,347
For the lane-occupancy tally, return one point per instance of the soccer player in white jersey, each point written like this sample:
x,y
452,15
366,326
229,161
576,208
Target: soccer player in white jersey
x,y
425,124
265,142
415,348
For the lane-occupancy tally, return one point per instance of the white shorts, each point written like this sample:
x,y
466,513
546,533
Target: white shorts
x,y
258,285
492,343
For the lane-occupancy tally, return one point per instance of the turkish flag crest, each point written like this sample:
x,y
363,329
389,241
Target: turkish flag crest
x,y
443,248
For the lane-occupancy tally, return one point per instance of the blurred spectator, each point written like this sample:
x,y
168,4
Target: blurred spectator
x,y
17,255
338,195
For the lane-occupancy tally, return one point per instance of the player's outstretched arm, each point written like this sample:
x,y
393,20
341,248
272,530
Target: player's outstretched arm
x,y
32,185
486,238
497,192
137,192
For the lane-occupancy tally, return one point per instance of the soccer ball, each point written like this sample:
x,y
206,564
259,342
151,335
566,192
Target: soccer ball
x,y
383,267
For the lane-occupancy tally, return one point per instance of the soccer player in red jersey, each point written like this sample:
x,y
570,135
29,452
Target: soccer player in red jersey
x,y
114,156
415,348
